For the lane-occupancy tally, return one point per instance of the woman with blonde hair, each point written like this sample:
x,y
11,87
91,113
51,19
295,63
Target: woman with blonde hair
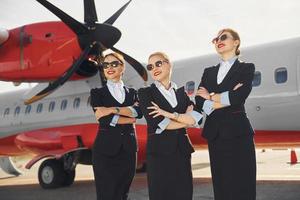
x,y
115,146
168,111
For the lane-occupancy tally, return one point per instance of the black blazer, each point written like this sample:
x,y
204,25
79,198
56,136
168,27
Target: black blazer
x,y
111,139
169,140
231,121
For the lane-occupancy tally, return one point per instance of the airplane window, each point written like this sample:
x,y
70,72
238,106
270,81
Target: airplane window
x,y
17,111
256,79
6,112
39,108
190,87
281,75
51,106
27,109
89,101
63,104
76,103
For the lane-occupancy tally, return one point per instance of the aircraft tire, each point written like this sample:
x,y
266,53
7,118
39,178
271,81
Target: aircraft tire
x,y
69,177
51,174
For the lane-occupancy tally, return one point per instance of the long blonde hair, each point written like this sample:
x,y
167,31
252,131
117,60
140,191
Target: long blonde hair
x,y
159,53
117,56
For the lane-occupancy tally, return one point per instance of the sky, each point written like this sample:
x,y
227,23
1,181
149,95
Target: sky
x,y
180,28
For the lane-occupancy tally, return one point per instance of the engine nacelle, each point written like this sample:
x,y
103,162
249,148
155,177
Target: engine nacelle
x,y
39,52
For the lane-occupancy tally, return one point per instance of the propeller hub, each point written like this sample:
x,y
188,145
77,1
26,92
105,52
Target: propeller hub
x,y
105,34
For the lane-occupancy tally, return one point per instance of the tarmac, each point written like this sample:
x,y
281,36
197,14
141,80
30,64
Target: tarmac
x,y
276,180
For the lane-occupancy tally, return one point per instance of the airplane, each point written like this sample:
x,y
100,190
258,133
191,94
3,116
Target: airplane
x,y
60,127
58,51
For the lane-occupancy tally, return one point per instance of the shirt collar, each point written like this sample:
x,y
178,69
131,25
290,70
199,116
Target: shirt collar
x,y
159,85
114,84
229,61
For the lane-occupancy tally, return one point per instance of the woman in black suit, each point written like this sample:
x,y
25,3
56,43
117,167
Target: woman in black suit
x,y
222,93
168,111
115,147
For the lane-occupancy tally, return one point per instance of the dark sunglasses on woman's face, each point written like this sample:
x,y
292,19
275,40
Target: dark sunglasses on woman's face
x,y
113,64
220,38
158,63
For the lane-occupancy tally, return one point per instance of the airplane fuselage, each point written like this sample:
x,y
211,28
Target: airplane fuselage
x,y
273,106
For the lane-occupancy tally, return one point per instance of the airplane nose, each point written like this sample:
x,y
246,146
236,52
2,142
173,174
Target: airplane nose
x,y
4,34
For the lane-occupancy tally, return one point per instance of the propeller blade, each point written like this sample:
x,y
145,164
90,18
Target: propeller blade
x,y
73,24
134,63
90,14
62,79
115,16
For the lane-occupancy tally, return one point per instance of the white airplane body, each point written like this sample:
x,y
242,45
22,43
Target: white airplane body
x,y
273,108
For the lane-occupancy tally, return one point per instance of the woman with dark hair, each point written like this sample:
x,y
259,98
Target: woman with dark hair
x,y
222,93
115,146
168,111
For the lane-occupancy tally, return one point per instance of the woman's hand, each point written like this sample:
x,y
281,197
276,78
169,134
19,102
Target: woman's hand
x,y
238,86
217,105
159,112
103,111
189,109
202,92
132,120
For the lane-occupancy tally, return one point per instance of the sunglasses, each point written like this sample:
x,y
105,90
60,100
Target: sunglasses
x,y
220,38
113,64
158,63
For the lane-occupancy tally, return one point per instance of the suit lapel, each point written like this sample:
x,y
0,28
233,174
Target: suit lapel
x,y
127,94
179,95
215,74
156,94
231,72
109,95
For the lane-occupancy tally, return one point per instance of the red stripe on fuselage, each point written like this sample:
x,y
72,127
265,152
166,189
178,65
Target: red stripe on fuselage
x,y
57,139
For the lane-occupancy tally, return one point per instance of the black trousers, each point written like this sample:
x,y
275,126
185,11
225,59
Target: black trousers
x,y
113,174
170,176
233,168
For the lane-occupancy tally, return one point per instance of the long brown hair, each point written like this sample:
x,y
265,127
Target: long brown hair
x,y
235,36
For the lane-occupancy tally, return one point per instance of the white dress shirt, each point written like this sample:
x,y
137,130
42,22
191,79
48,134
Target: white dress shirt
x,y
170,96
223,71
224,68
117,90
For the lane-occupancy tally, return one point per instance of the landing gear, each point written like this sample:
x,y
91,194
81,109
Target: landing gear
x,y
53,175
69,177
